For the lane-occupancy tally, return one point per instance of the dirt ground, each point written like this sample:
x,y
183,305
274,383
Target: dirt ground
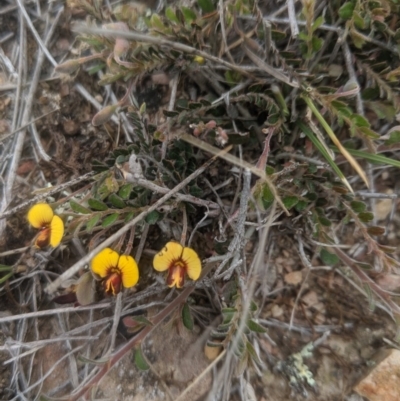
x,y
301,301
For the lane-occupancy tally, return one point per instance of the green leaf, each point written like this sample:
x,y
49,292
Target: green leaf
x,y
360,121
357,38
195,190
346,11
98,362
290,201
4,268
92,222
109,220
317,43
77,208
189,15
141,319
134,324
359,22
301,205
253,326
125,191
129,216
267,197
116,201
324,221
369,132
328,258
394,138
373,157
96,204
187,318
313,138
317,23
140,361
214,344
96,68
253,306
153,217
142,108
228,314
6,277
252,352
170,113
206,6
358,206
156,22
170,14
366,217
303,36
219,335
375,230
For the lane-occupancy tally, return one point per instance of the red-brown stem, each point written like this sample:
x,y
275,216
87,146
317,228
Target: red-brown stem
x,y
130,242
262,161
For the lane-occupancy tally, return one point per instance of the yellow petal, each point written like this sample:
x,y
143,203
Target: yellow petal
x,y
103,261
56,231
40,215
171,252
129,270
193,263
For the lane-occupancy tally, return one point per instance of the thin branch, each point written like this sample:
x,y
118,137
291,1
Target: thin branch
x,y
43,45
47,192
292,18
49,312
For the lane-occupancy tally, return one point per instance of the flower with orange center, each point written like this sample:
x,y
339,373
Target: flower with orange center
x,y
178,260
116,269
51,227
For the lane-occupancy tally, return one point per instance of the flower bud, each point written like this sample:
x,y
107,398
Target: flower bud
x,y
68,67
121,47
104,115
199,59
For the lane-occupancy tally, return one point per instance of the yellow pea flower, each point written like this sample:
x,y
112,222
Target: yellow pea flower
x,y
51,227
116,270
178,260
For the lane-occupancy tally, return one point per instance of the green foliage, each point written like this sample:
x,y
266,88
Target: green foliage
x,y
8,270
140,360
187,318
95,204
227,333
328,258
77,208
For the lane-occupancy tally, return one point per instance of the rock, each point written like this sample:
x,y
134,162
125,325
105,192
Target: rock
x,y
382,382
293,278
